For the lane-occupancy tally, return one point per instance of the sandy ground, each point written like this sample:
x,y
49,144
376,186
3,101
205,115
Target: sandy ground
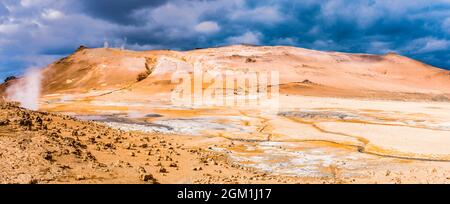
x,y
39,147
314,140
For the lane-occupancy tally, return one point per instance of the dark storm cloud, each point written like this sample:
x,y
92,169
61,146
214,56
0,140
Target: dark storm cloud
x,y
35,32
117,11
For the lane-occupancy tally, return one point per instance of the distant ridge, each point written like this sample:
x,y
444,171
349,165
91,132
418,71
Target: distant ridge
x,y
110,68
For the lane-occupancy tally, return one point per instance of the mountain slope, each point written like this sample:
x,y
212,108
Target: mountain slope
x,y
113,69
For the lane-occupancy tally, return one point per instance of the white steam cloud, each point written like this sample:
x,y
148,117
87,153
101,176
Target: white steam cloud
x,y
27,90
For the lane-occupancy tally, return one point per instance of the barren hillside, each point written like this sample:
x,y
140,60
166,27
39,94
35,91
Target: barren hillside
x,y
326,72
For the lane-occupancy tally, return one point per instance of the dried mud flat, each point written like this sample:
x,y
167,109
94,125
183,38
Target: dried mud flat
x,y
42,147
39,147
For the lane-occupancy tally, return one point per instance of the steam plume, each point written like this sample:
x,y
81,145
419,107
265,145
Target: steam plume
x,y
27,89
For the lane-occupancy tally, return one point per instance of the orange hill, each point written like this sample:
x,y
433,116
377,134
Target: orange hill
x,y
300,69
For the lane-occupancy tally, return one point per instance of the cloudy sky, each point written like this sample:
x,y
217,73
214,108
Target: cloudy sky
x,y
36,32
